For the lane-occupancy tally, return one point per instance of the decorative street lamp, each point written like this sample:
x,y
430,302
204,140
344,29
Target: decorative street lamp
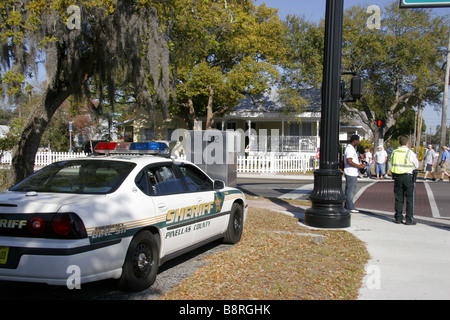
x,y
327,198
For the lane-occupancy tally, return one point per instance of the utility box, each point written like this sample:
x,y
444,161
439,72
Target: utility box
x,y
214,151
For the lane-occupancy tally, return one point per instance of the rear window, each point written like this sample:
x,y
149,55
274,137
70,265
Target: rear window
x,y
78,176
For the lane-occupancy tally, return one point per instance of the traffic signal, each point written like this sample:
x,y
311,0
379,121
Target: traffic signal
x,y
356,87
381,123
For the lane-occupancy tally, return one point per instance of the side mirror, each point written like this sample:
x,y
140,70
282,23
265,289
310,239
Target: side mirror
x,y
219,184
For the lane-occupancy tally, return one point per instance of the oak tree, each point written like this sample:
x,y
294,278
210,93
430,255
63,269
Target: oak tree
x,y
402,63
221,51
80,41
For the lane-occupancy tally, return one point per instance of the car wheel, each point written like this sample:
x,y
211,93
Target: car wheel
x,y
235,225
141,263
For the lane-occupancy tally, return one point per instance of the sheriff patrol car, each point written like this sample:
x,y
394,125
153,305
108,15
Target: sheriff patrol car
x,y
115,216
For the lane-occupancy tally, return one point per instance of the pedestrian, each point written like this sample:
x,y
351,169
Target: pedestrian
x,y
389,151
443,163
380,162
428,162
351,170
368,155
362,160
404,165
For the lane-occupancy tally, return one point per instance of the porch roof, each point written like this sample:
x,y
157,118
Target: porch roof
x,y
270,108
264,116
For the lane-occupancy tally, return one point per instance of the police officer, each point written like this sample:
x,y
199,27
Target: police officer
x,y
404,163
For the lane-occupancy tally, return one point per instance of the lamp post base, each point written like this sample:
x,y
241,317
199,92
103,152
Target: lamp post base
x,y
328,200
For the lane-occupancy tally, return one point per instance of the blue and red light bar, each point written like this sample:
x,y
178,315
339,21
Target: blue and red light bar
x,y
156,148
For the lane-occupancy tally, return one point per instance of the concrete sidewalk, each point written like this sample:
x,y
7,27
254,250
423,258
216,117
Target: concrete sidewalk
x,y
407,262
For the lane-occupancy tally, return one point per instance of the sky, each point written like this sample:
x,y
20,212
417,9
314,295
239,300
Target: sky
x,y
314,10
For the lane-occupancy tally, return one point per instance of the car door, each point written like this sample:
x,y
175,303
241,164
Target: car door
x,y
169,196
210,220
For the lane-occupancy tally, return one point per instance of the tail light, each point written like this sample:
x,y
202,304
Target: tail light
x,y
67,225
62,225
36,225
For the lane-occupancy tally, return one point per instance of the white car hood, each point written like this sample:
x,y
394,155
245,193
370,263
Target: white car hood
x,y
33,202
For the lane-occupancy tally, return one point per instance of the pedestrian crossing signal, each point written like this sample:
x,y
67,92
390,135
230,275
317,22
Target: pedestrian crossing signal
x,y
381,123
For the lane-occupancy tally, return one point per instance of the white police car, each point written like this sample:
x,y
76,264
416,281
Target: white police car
x,y
116,216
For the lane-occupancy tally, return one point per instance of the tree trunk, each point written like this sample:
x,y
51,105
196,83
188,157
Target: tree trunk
x,y
58,90
24,152
187,112
209,109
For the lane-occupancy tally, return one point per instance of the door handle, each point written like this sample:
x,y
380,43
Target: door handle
x,y
162,206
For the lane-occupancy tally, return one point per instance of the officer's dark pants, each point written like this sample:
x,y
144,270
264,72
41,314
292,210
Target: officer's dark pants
x,y
404,188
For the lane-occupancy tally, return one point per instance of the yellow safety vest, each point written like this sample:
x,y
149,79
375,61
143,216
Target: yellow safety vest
x,y
400,161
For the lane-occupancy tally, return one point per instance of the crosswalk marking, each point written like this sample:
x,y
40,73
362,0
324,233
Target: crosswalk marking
x,y
433,205
301,193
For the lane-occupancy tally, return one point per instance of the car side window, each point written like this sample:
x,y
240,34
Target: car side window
x,y
159,180
163,180
196,179
141,182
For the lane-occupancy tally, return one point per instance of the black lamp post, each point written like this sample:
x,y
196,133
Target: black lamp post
x,y
327,198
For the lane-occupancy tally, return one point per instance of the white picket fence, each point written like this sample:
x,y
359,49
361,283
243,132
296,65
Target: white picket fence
x,y
43,158
257,164
274,164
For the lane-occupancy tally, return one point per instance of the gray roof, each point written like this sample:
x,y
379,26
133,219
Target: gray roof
x,y
270,102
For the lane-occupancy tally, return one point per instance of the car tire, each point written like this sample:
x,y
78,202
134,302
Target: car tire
x,y
141,263
235,225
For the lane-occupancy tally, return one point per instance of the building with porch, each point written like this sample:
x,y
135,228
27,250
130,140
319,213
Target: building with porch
x,y
277,131
268,128
272,128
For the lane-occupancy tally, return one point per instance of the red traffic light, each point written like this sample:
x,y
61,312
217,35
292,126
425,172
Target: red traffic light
x,y
381,123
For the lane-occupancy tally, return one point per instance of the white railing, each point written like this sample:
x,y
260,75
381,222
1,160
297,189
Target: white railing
x,y
273,164
43,158
298,144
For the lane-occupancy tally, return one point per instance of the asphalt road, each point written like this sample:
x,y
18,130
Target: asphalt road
x,y
431,197
284,187
272,187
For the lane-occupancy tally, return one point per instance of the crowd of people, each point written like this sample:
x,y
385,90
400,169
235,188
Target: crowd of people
x,y
380,161
401,164
378,166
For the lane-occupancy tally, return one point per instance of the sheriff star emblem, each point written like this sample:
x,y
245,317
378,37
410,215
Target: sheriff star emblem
x,y
218,203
